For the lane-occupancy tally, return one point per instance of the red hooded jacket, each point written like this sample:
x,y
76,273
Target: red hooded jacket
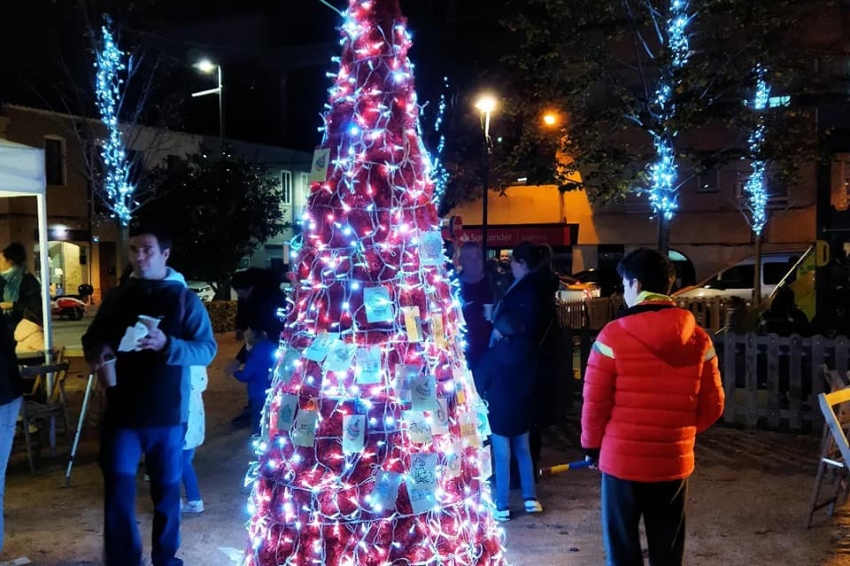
x,y
652,384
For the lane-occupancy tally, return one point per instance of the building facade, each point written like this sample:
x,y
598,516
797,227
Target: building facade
x,y
83,244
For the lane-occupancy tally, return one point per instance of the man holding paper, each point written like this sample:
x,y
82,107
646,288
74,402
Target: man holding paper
x,y
146,335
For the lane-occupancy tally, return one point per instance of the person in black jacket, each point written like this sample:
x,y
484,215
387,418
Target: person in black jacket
x,y
510,398
147,408
11,389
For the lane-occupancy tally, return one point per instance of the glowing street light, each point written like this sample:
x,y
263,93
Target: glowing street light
x,y
208,67
550,119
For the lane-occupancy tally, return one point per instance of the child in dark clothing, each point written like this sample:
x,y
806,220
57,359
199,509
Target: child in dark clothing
x,y
505,381
255,373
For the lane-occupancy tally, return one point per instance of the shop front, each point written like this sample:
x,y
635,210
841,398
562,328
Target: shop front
x,y
502,238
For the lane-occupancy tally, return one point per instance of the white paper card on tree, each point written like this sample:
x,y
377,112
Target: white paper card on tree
x,y
321,346
321,163
469,429
353,434
485,462
440,417
368,365
423,468
453,461
418,429
483,423
340,357
286,412
413,324
286,366
404,376
423,393
438,331
431,248
385,492
304,429
378,306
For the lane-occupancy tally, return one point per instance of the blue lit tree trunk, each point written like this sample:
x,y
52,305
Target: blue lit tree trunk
x,y
755,190
663,172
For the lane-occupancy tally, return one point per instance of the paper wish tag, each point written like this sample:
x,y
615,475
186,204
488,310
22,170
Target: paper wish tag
x,y
368,365
431,248
404,376
304,430
286,367
319,168
418,429
485,462
130,341
385,492
440,417
286,412
453,460
469,429
378,306
353,433
340,357
413,324
321,346
438,331
483,422
423,393
421,482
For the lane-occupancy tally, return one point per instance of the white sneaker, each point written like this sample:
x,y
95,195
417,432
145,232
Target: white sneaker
x,y
192,506
533,506
502,515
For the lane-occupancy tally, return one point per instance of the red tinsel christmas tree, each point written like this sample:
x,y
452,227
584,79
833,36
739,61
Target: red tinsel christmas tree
x,y
372,446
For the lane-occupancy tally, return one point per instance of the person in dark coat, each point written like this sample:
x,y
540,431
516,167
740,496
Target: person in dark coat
x,y
476,291
21,290
11,390
510,403
783,317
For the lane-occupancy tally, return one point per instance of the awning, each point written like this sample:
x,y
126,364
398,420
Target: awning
x,y
510,235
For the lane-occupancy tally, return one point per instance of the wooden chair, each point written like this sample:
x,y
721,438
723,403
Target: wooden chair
x,y
39,408
834,379
835,451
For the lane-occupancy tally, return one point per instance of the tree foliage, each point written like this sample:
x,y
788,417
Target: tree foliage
x,y
599,62
218,209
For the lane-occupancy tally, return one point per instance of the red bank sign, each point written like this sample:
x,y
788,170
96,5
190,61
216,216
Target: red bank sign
x,y
510,235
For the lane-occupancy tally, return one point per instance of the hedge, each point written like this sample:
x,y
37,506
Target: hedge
x,y
222,315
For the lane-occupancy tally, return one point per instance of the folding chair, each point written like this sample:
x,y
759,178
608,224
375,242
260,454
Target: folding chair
x,y
834,379
43,408
835,451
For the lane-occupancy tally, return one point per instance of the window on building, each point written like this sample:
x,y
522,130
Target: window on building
x,y
286,188
708,181
778,101
54,161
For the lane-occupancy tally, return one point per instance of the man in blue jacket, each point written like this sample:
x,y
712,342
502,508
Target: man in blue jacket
x,y
145,409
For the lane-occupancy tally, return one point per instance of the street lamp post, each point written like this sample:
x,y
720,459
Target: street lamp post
x,y
206,66
485,104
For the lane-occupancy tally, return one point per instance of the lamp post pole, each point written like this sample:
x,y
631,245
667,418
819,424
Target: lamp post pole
x,y
486,104
207,67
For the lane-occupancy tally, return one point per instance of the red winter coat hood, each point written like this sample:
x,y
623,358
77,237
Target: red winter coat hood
x,y
665,332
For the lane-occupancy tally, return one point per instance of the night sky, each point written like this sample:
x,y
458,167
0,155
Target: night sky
x,y
274,54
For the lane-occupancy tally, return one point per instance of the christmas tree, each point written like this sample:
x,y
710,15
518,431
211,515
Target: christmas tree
x,y
371,451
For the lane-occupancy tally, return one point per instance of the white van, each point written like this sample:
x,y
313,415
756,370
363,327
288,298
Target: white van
x,y
737,280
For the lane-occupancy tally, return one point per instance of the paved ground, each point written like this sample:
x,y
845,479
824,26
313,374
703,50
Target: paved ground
x,y
747,501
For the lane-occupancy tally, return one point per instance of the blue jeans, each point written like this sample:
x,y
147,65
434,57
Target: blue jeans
x,y
190,478
502,448
120,450
8,419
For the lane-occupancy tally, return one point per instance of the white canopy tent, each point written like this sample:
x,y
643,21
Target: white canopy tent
x,y
22,175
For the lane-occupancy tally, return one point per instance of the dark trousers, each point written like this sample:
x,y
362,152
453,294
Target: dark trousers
x,y
120,451
662,506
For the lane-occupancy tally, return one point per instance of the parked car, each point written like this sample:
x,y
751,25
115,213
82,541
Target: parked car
x,y
66,306
572,290
738,279
204,291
